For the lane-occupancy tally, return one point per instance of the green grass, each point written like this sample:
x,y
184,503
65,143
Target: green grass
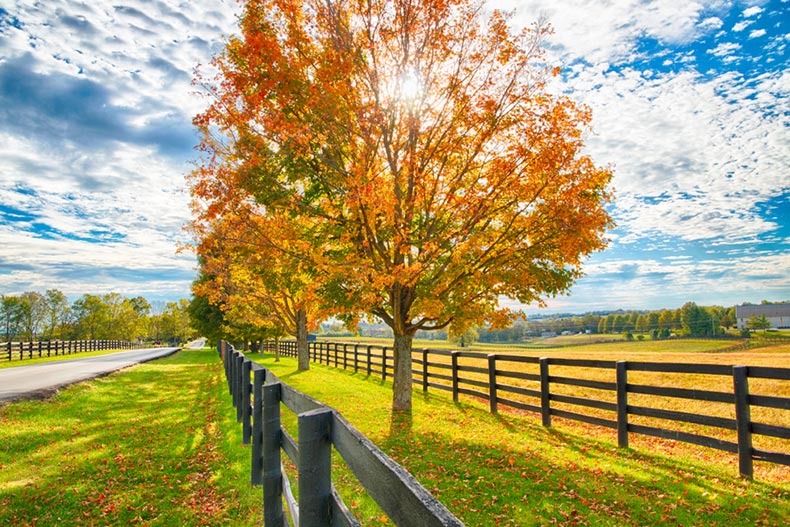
x,y
154,445
158,444
508,470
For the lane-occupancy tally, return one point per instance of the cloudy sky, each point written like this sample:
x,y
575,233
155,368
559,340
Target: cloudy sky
x,y
691,105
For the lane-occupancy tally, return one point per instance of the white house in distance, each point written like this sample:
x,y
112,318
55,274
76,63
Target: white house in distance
x,y
777,314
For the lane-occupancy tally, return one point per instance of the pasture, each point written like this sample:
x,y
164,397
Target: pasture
x,y
474,368
506,469
158,444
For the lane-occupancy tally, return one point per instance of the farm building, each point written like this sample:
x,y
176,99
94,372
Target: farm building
x,y
777,314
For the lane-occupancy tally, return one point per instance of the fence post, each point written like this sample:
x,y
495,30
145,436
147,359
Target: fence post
x,y
231,361
356,358
231,369
384,363
743,420
425,369
9,350
370,352
246,411
239,360
256,470
545,397
492,391
622,404
272,477
454,359
315,463
49,348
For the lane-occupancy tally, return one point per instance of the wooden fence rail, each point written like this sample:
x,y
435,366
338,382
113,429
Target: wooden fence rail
x,y
551,391
258,396
54,348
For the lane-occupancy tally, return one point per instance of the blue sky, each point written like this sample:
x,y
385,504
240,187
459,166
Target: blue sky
x,y
691,109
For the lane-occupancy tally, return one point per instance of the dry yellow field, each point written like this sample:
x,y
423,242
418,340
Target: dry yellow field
x,y
680,351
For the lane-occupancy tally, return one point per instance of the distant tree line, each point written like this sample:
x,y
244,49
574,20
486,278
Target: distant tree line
x,y
51,316
689,320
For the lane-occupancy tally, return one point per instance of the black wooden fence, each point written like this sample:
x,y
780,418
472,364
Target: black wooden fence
x,y
257,395
54,348
487,376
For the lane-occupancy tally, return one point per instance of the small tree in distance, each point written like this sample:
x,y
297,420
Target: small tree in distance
x,y
758,322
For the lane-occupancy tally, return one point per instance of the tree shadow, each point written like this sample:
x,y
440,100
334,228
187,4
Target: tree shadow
x,y
401,424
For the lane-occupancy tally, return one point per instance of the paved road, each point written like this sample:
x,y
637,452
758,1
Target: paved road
x,y
37,381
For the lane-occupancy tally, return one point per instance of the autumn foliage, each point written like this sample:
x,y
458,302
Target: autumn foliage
x,y
404,156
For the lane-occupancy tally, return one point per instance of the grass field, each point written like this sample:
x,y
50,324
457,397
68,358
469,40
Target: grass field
x,y
158,445
152,445
508,470
675,351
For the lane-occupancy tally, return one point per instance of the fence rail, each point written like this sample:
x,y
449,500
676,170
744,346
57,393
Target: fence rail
x,y
551,390
54,348
258,396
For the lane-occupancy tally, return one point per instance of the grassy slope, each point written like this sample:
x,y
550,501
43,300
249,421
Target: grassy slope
x,y
508,470
152,445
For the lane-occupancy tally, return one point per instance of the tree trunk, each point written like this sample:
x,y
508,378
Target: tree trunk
x,y
401,387
302,349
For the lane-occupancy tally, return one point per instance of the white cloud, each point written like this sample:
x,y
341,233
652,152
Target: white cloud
x,y
692,156
669,282
725,49
740,26
101,186
752,11
711,23
612,33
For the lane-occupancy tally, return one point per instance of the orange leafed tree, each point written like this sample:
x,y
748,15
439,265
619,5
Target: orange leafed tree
x,y
256,282
247,257
418,140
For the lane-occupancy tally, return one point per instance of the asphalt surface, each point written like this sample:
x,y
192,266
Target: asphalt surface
x,y
38,381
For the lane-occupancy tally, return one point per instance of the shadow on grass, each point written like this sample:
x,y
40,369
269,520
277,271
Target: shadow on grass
x,y
577,482
401,424
506,469
143,446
